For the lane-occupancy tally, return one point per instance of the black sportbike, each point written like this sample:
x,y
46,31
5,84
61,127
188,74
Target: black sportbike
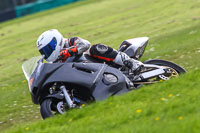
x,y
58,87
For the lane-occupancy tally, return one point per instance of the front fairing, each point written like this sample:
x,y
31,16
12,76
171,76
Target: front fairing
x,y
87,75
29,67
36,73
35,77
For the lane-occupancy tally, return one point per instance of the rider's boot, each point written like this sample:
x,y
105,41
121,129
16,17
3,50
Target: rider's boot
x,y
124,60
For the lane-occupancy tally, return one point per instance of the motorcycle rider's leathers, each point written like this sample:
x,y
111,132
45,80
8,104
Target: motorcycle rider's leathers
x,y
77,45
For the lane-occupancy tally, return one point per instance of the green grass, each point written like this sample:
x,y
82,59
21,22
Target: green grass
x,y
173,27
156,108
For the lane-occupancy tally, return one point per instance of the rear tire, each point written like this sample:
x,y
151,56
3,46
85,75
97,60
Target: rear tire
x,y
176,67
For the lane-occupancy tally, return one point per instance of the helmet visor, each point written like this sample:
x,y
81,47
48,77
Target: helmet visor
x,y
49,48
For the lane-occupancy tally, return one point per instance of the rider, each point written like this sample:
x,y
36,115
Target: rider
x,y
52,45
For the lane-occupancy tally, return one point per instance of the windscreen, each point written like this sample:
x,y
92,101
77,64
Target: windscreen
x,y
29,66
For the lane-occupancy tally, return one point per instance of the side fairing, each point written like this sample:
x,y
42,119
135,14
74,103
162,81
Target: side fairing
x,y
105,89
83,74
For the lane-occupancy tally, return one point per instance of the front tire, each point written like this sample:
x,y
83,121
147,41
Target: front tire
x,y
46,109
49,107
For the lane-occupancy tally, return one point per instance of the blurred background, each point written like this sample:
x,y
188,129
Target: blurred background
x,y
10,9
173,28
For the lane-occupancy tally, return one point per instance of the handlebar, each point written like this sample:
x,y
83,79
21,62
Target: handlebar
x,y
58,59
71,59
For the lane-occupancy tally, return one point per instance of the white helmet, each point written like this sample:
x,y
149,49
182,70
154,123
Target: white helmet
x,y
49,44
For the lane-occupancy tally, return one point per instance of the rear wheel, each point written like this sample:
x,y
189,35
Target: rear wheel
x,y
174,66
173,70
49,107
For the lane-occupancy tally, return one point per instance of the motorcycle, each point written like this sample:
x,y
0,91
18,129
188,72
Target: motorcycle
x,y
59,87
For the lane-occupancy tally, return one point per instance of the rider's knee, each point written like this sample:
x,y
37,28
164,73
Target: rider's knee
x,y
102,50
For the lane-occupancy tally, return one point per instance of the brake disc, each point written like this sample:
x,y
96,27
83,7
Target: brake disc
x,y
60,107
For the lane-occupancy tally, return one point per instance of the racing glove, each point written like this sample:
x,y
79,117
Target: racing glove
x,y
65,53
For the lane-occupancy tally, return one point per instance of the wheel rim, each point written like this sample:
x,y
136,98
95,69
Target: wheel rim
x,y
60,107
174,73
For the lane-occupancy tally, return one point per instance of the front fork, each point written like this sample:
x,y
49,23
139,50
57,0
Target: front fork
x,y
67,97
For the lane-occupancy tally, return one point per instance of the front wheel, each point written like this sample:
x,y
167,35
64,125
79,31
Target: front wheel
x,y
50,107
